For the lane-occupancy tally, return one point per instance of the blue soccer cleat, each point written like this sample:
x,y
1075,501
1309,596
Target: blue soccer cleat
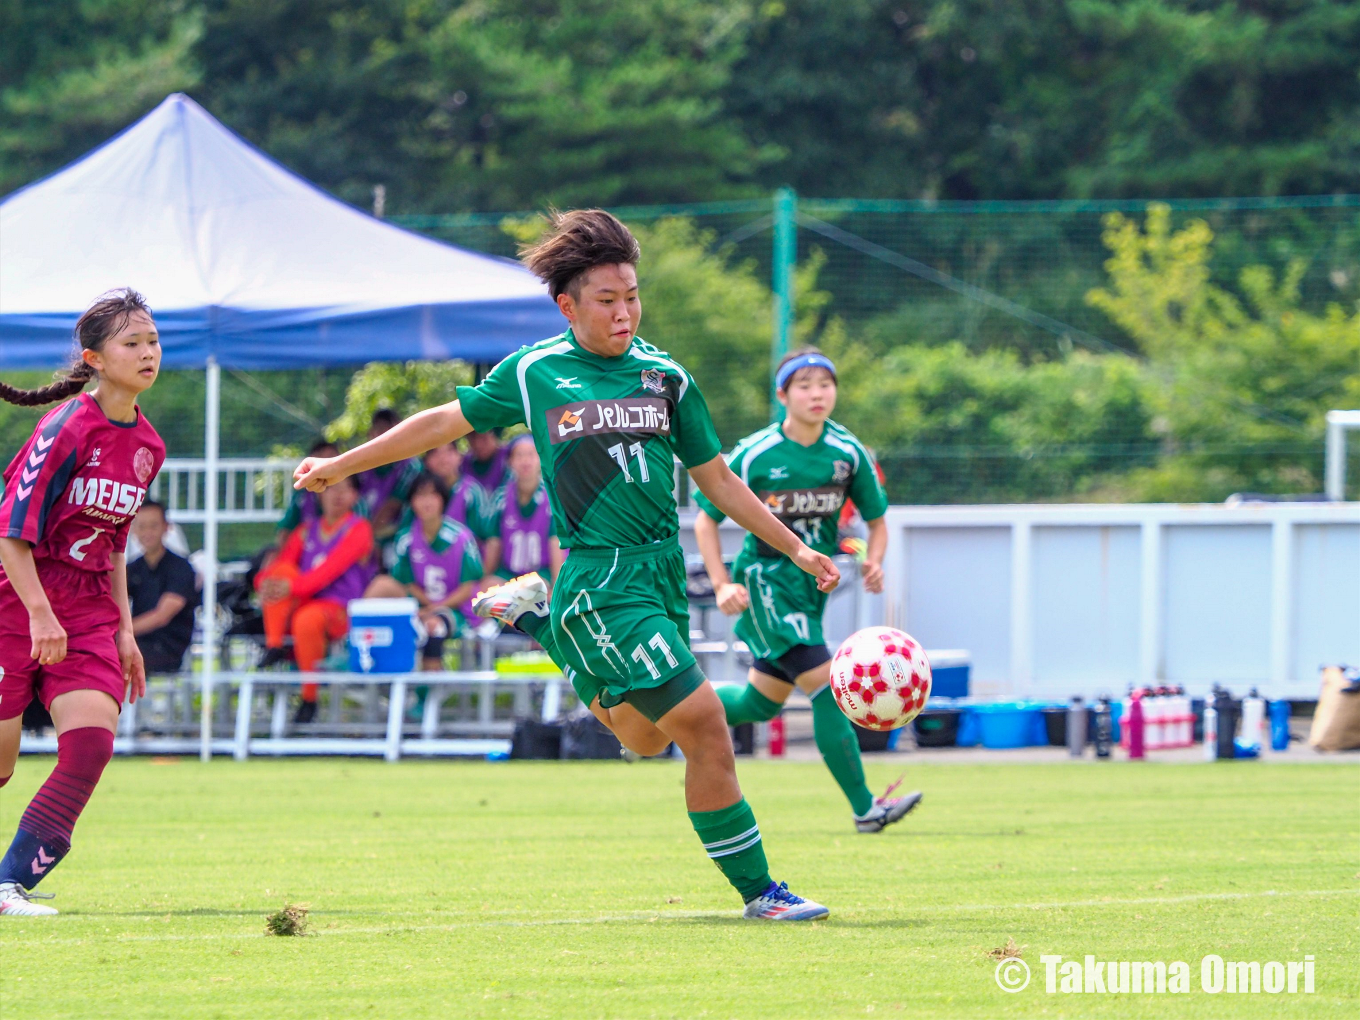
x,y
776,903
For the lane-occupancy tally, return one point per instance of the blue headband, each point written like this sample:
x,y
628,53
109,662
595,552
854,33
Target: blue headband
x,y
800,362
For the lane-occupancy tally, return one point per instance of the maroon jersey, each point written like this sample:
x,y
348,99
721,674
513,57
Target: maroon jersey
x,y
74,488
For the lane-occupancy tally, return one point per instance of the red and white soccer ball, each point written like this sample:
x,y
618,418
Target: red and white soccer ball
x,y
880,678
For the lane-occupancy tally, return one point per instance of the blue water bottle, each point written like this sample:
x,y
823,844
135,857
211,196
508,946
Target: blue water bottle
x,y
1279,725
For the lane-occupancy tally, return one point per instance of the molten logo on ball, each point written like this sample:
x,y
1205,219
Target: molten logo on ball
x,y
880,678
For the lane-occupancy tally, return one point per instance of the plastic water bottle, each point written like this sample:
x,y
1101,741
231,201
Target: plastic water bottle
x,y
1137,729
1210,731
1104,727
1253,719
1279,725
1076,727
1227,711
777,737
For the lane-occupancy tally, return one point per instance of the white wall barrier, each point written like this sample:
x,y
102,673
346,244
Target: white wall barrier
x,y
1063,599
1056,599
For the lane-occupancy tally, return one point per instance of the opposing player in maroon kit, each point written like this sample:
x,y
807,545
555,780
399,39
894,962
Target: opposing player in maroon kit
x,y
65,626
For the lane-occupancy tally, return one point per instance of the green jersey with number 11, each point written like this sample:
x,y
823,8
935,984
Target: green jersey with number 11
x,y
805,486
607,430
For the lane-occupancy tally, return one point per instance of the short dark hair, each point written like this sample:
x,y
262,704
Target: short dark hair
x,y
576,243
427,480
385,415
319,445
154,504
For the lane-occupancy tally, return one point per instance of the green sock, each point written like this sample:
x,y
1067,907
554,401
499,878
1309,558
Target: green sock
x,y
840,750
535,626
746,704
732,839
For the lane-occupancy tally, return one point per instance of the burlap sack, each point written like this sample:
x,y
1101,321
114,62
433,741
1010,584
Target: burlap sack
x,y
1336,723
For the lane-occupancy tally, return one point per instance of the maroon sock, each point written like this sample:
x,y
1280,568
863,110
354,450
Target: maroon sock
x,y
81,757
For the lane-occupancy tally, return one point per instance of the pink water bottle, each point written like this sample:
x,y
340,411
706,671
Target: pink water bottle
x,y
1136,724
777,737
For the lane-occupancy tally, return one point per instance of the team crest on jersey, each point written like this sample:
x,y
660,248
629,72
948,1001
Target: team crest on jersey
x,y
143,463
94,458
840,471
654,379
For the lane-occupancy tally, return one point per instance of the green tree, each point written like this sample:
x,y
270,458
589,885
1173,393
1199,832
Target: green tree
x,y
1241,382
490,104
74,72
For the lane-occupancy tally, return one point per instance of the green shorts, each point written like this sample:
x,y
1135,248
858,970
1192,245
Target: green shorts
x,y
620,620
786,607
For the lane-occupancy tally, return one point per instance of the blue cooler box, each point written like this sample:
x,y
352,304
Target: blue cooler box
x,y
949,673
384,635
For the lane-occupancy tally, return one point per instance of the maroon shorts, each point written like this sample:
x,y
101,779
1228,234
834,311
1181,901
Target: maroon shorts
x,y
85,608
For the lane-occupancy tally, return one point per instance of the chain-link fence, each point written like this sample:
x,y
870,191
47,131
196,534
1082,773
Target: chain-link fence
x,y
978,308
1004,286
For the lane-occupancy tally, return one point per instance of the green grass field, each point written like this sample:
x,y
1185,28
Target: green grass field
x,y
578,890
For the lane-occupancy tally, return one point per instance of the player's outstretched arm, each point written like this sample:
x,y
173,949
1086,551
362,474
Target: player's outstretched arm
x,y
727,492
732,598
410,438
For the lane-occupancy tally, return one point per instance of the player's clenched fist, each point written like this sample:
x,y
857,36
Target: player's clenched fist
x,y
317,474
49,638
732,598
818,566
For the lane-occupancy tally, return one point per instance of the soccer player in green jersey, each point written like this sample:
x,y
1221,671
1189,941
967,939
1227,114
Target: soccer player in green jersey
x,y
610,414
804,469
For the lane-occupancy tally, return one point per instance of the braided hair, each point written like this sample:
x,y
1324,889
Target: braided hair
x,y
101,320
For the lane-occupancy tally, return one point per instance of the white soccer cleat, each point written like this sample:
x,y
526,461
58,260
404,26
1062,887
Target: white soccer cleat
x,y
16,901
887,809
509,601
776,903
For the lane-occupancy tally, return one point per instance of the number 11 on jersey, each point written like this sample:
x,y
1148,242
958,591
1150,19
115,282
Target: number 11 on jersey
x,y
617,452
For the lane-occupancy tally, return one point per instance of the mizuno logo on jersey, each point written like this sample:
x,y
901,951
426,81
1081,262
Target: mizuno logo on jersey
x,y
822,502
651,415
567,383
778,474
106,494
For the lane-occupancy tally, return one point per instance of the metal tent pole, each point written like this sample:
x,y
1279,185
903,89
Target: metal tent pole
x,y
210,450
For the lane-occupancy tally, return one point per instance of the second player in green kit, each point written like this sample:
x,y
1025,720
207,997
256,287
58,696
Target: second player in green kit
x,y
805,469
610,414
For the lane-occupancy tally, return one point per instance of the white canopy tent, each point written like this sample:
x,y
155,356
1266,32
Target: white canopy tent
x,y
246,265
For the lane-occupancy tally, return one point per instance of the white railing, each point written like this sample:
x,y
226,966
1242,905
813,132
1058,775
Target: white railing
x,y
395,737
249,489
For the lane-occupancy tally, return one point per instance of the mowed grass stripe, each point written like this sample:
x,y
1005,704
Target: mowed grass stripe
x,y
529,889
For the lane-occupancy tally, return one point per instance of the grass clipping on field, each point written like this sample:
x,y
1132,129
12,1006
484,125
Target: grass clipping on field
x,y
291,920
1006,952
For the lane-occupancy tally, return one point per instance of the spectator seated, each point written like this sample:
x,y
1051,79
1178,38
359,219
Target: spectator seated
x,y
307,588
163,594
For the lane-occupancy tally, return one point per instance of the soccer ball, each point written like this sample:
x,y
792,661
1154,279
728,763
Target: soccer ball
x,y
880,678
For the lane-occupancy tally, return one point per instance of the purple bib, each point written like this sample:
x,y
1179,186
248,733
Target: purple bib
x,y
315,549
376,489
524,540
462,501
437,573
490,475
